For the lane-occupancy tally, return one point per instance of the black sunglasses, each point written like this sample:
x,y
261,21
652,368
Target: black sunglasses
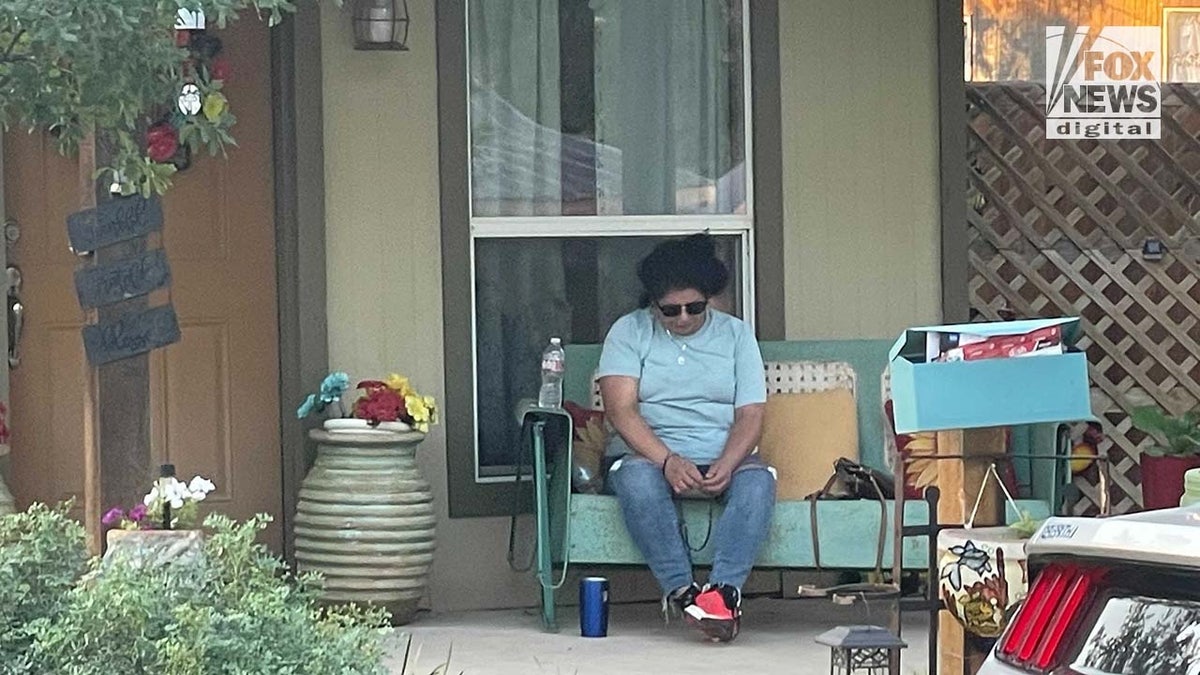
x,y
692,308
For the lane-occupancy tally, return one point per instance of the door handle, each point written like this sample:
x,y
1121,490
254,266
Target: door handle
x,y
16,315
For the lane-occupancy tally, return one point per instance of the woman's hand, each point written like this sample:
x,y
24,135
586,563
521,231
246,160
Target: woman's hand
x,y
681,474
717,478
747,428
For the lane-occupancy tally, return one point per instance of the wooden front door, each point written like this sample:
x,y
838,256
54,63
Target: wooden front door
x,y
214,395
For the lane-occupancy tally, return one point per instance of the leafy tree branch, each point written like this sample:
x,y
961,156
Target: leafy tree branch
x,y
113,68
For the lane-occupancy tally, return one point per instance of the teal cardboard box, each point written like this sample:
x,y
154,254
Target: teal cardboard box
x,y
932,395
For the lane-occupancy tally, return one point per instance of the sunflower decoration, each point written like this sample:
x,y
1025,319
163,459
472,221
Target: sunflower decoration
x,y
922,465
590,442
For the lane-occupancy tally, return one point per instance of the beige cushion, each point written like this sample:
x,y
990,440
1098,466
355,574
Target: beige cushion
x,y
804,434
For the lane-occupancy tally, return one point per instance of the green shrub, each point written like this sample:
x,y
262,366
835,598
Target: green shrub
x,y
43,553
236,612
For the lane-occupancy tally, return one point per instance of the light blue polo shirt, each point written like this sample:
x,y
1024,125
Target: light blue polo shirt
x,y
688,387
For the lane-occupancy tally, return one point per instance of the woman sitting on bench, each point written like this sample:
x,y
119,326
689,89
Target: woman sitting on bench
x,y
683,386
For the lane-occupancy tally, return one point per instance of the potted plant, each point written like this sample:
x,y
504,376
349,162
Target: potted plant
x,y
365,518
1176,449
163,527
982,570
170,504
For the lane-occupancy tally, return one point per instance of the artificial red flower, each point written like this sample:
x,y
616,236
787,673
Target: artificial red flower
x,y
161,142
220,69
380,404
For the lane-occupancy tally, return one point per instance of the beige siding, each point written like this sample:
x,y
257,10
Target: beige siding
x,y
860,135
384,266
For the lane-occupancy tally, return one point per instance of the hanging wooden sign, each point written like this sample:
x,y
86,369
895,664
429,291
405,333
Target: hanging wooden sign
x,y
132,334
99,285
116,220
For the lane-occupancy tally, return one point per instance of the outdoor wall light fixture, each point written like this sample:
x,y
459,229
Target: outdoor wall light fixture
x,y
381,24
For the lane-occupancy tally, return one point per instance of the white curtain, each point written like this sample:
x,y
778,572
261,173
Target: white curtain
x,y
664,99
516,144
515,107
664,143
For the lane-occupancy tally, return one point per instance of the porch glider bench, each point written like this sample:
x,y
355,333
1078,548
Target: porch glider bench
x,y
588,529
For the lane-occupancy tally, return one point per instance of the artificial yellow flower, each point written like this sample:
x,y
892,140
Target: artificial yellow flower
x,y
214,104
416,408
431,406
418,411
399,384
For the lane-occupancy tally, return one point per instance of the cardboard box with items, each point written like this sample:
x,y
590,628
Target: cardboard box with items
x,y
976,375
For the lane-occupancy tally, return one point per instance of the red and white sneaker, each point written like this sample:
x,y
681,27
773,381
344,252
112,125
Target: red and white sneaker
x,y
717,612
678,600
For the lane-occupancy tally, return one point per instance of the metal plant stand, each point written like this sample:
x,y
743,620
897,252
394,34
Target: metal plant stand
x,y
932,603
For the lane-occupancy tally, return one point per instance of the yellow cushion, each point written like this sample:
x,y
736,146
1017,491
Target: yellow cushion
x,y
804,434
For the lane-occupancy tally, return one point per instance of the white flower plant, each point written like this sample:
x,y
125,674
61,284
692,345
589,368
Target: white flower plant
x,y
183,498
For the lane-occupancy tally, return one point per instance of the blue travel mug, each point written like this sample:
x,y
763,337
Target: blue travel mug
x,y
593,607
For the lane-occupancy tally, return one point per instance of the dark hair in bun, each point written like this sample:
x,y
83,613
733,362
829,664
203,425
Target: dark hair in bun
x,y
678,264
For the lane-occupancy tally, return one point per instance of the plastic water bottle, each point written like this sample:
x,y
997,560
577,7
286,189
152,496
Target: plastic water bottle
x,y
554,364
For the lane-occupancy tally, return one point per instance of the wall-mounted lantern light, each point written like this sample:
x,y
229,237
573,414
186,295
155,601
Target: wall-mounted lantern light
x,y
381,24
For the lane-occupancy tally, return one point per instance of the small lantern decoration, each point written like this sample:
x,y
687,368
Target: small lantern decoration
x,y
381,24
862,650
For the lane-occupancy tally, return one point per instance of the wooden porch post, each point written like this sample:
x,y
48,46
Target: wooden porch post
x,y
117,429
959,481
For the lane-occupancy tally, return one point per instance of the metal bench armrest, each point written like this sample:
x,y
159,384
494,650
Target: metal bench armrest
x,y
550,431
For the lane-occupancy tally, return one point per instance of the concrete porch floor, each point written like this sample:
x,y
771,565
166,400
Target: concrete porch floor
x,y
777,637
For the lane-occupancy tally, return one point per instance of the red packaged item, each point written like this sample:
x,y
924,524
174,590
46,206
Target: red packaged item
x,y
1046,340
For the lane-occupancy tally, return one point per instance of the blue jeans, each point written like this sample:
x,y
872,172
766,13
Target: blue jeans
x,y
650,516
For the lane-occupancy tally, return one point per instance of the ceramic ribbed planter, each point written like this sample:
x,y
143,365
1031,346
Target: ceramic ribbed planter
x,y
7,503
365,520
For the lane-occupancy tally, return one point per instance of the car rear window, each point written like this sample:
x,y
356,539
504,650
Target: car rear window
x,y
1142,636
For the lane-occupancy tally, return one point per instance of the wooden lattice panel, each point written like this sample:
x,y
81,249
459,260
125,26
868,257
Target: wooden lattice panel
x,y
1056,228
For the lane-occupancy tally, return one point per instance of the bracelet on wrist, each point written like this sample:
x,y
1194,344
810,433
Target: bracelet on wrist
x,y
665,460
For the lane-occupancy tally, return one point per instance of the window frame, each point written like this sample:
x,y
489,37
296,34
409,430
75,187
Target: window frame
x,y
760,229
